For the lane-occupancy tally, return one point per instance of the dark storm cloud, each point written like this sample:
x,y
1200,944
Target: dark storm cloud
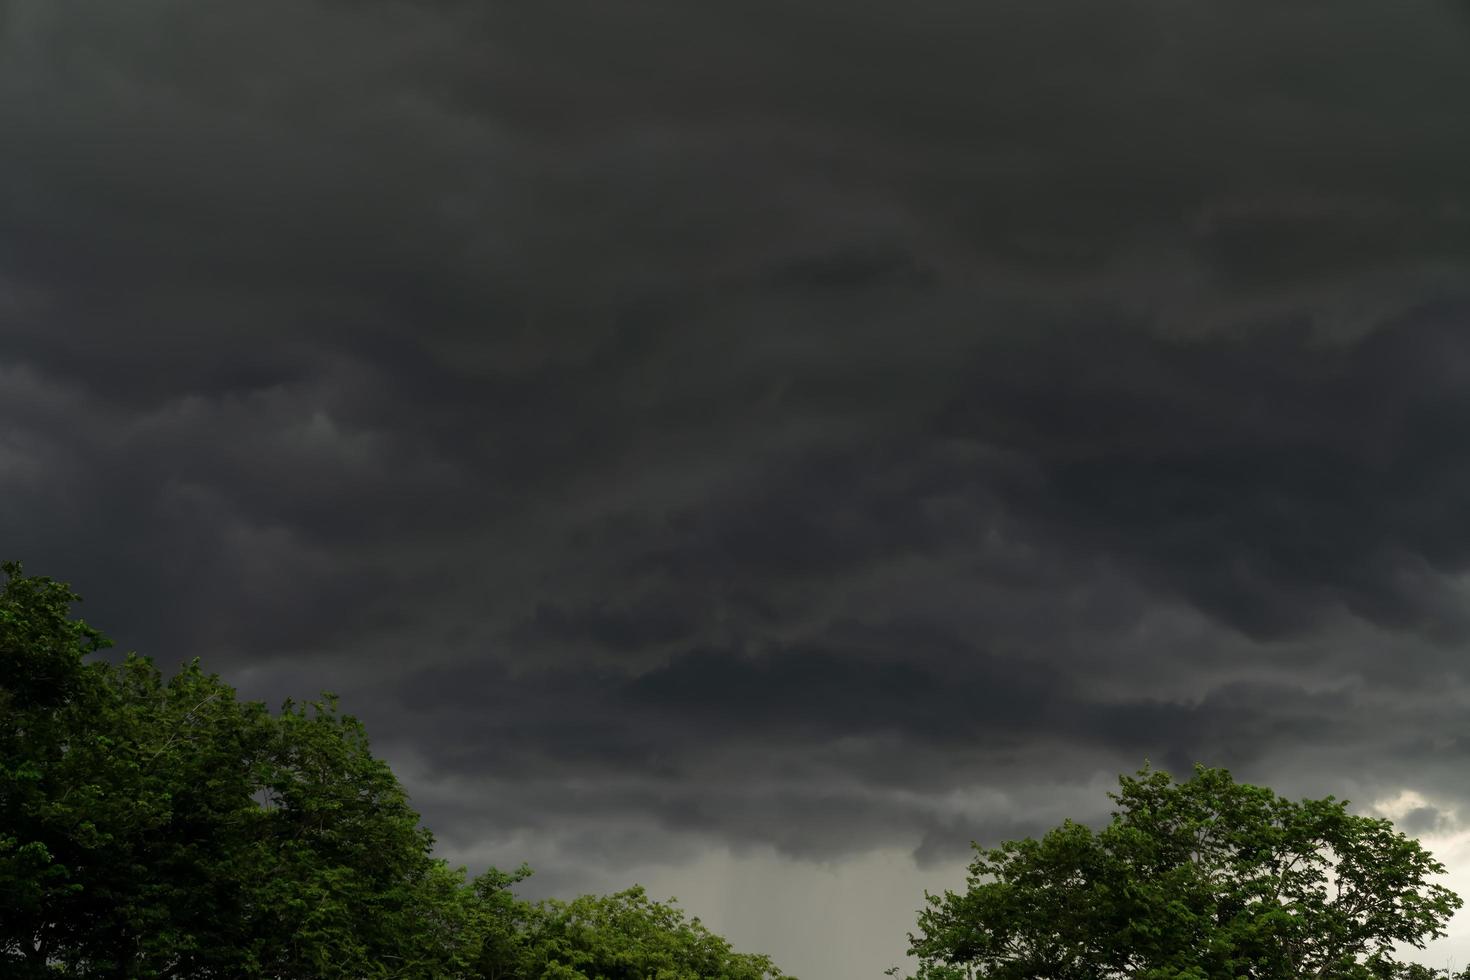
x,y
735,746
808,425
1267,477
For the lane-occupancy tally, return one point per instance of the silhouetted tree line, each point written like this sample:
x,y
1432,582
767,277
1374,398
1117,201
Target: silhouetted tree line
x,y
156,827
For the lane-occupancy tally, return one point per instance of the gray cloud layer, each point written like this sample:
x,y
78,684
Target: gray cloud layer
x,y
816,426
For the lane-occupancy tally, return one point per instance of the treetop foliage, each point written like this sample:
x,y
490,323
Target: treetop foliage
x,y
156,827
1207,879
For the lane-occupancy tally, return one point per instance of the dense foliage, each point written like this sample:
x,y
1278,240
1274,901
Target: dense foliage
x,y
1207,879
154,827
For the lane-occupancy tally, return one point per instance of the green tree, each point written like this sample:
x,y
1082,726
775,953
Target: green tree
x,y
152,809
467,930
45,689
163,828
153,828
628,936
1207,879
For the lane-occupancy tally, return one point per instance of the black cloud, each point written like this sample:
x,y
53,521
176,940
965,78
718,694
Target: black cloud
x,y
814,426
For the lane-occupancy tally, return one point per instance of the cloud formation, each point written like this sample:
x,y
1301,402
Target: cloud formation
x,y
815,429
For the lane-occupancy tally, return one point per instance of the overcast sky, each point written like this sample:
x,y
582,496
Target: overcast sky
x,y
753,448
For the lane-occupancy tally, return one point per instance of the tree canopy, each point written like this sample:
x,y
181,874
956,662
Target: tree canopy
x,y
156,827
1207,879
